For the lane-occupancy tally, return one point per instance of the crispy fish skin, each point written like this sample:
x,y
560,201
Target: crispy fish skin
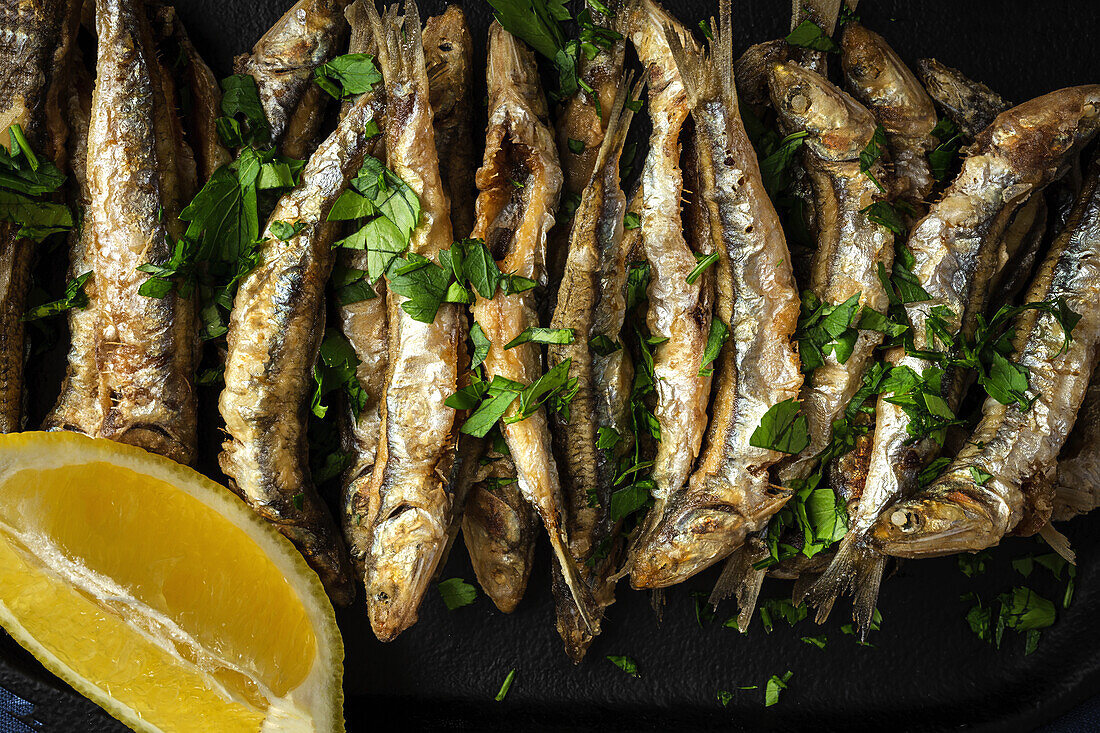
x,y
449,57
971,105
274,335
999,481
410,502
882,82
282,62
592,302
679,312
499,528
136,357
729,494
34,44
955,249
1077,481
514,223
850,247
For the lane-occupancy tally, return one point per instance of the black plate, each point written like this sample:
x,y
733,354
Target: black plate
x,y
926,671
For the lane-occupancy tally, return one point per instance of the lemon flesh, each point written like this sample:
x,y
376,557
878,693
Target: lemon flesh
x,y
159,594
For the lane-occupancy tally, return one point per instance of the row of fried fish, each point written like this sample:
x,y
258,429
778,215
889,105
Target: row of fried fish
x,y
415,479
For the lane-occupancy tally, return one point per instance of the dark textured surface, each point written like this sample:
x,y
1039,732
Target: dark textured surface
x,y
926,671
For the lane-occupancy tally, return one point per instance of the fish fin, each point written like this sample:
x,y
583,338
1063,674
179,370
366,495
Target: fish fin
x,y
657,600
836,579
582,595
1058,542
869,567
707,74
574,632
399,44
618,122
739,577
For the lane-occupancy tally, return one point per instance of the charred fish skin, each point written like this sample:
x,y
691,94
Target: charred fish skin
x,y
971,105
274,334
592,302
34,41
499,528
882,81
282,63
514,223
1012,450
955,247
410,501
729,494
850,247
133,361
449,56
679,312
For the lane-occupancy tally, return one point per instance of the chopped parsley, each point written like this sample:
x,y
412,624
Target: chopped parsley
x,y
701,266
74,297
819,641
26,186
943,157
719,334
776,684
881,212
776,160
782,428
456,593
825,329
603,345
536,335
507,685
810,35
631,220
1021,610
335,370
348,75
626,664
971,565
780,608
724,696
575,146
871,154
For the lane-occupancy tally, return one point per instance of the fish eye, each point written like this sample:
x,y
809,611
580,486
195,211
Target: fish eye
x,y
797,101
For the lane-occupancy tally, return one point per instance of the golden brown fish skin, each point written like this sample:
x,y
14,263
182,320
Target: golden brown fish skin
x,y
1016,450
206,94
34,43
955,247
678,311
850,247
751,69
882,82
514,223
729,494
592,302
1077,480
282,62
449,57
410,500
137,356
500,528
971,105
275,331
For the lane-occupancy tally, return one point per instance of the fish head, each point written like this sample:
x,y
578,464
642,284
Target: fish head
x,y
837,126
405,550
940,523
687,543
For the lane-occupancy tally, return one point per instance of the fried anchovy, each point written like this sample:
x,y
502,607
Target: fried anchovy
x,y
592,303
206,95
34,45
499,528
410,503
882,81
1000,481
274,336
955,248
518,186
679,311
1077,481
282,62
581,125
131,364
729,494
850,247
448,54
971,105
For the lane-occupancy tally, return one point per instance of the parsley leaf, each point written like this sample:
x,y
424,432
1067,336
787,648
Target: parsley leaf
x,y
782,428
777,158
719,334
881,212
632,220
626,664
245,121
74,297
980,475
944,155
810,35
481,345
335,369
456,593
507,685
876,146
776,684
701,267
534,334
347,75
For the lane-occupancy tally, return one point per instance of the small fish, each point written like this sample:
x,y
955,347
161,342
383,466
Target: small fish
x,y
882,82
410,500
1077,481
999,482
274,336
449,56
282,62
131,365
592,302
971,105
729,494
519,183
35,41
752,68
499,528
679,312
954,247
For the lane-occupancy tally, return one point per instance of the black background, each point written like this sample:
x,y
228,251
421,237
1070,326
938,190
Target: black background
x,y
926,670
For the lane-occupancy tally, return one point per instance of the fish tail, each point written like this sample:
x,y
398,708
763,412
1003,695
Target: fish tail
x,y
1058,542
618,122
740,578
869,571
836,579
582,595
399,45
707,75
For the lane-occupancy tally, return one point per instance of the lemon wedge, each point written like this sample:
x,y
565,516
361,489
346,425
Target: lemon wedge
x,y
158,594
